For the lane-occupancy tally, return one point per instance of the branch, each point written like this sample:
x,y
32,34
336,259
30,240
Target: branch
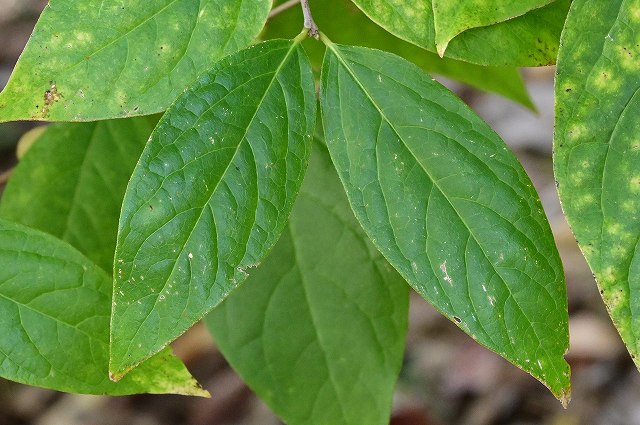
x,y
281,8
309,23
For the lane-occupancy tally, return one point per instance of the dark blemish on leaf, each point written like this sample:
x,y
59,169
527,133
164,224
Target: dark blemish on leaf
x,y
568,90
150,207
237,168
457,319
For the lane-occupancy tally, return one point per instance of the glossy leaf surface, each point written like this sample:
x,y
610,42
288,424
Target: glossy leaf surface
x,y
210,196
453,17
449,206
597,150
344,23
96,59
54,313
318,330
528,40
72,181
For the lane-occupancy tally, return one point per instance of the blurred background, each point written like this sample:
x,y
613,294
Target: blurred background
x,y
446,378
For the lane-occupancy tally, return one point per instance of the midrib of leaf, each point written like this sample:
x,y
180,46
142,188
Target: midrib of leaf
x,y
159,78
121,36
42,313
347,226
435,184
83,172
332,379
294,45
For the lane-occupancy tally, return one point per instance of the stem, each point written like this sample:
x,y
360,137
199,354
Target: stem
x,y
309,23
281,8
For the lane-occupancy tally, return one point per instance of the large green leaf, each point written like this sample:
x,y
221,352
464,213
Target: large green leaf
x,y
344,23
449,206
54,315
72,181
528,40
318,330
597,150
453,17
210,196
96,59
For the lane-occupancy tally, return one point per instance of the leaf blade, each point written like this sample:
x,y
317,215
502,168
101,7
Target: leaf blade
x,y
77,196
94,60
528,40
415,163
452,18
192,224
330,289
595,153
55,312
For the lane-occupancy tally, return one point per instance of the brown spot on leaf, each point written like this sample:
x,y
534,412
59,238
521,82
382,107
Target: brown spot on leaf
x,y
51,96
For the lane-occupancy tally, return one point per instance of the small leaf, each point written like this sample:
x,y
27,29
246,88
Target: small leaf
x,y
344,23
453,17
72,182
93,59
528,40
318,330
210,196
449,206
54,305
597,151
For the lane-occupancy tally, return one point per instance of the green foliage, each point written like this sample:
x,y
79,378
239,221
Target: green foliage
x,y
153,50
55,312
453,17
72,181
189,209
457,216
344,338
210,195
597,150
344,23
528,40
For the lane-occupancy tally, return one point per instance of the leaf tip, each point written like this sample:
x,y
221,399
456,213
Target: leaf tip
x,y
565,396
441,48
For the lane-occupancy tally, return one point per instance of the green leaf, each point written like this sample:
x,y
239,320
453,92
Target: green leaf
x,y
449,206
54,305
318,330
210,196
344,23
597,150
72,181
528,40
91,59
453,17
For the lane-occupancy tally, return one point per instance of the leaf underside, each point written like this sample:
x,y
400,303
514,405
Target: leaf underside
x,y
528,40
210,196
318,330
91,59
72,181
597,150
54,312
453,17
449,206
